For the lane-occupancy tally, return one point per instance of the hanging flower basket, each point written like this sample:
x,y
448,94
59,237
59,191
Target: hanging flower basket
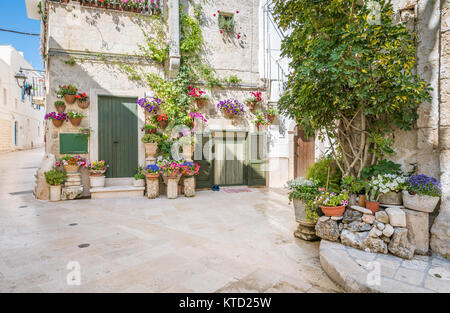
x,y
70,99
57,123
163,121
75,118
57,118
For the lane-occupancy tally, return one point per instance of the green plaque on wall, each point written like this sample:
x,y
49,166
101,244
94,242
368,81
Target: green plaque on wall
x,y
73,144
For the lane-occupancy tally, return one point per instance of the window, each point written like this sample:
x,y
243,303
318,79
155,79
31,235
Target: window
x,y
226,22
22,90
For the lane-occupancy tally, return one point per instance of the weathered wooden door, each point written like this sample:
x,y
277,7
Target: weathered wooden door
x,y
256,162
304,153
118,135
203,156
230,159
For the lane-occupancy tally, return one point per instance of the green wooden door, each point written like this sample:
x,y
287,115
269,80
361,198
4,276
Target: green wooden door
x,y
230,159
256,162
118,135
203,156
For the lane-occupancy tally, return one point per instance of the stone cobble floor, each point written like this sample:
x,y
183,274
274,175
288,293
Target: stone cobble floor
x,y
356,270
215,242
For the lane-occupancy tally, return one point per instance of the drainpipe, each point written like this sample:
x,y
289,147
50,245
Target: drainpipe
x,y
174,35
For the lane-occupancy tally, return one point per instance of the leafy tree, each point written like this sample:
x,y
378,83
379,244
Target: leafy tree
x,y
353,77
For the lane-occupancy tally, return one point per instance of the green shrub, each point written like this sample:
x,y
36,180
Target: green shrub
x,y
383,167
55,177
319,172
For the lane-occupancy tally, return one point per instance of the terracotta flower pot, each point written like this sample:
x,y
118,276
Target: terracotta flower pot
x,y
271,118
83,105
152,176
252,105
229,114
200,102
372,206
163,124
333,211
362,201
57,123
75,121
60,108
71,168
151,131
70,99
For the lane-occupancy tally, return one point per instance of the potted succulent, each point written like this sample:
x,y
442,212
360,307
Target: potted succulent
x,y
163,120
139,177
256,97
272,113
189,170
57,118
354,185
97,170
75,118
260,121
82,100
332,204
60,106
199,96
70,163
67,92
152,174
55,178
151,142
151,106
422,193
373,194
231,108
149,128
390,189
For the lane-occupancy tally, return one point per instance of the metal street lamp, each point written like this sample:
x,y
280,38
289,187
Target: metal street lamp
x,y
21,78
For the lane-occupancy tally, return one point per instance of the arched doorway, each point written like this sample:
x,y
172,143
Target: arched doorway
x,y
304,155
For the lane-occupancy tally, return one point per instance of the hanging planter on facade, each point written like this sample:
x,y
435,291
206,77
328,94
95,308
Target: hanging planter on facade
x,y
82,100
60,106
75,118
57,118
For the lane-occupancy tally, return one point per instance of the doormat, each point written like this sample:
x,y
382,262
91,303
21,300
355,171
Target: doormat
x,y
237,190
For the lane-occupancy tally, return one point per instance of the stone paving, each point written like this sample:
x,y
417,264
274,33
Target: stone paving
x,y
355,270
215,242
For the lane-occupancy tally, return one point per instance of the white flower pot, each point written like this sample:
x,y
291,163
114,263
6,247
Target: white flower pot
x,y
139,183
97,181
55,193
419,203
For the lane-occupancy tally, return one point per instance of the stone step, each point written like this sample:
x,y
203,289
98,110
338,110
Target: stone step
x,y
117,192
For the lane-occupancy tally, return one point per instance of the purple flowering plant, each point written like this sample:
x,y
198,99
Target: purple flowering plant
x,y
424,185
56,116
231,106
151,105
332,199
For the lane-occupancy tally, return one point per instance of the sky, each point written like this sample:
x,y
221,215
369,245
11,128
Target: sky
x,y
13,15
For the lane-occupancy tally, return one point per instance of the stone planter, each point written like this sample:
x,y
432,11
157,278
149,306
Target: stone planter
x,y
188,152
189,186
152,185
71,168
172,186
70,99
333,211
139,183
372,206
55,193
97,181
75,121
57,123
60,108
150,150
299,210
394,198
306,231
83,105
419,203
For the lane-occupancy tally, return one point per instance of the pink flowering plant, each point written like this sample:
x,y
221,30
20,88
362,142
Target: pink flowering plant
x,y
190,169
332,199
198,115
197,93
231,106
98,167
56,116
71,160
170,168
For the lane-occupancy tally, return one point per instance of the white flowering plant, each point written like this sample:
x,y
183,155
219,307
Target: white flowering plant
x,y
382,184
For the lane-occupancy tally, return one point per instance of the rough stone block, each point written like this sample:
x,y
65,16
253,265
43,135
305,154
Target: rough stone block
x,y
351,215
327,229
388,230
357,226
369,219
353,239
375,245
400,245
397,217
380,226
382,217
375,232
417,224
361,209
444,138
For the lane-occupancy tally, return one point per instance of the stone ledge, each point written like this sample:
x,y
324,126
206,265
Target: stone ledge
x,y
348,267
117,192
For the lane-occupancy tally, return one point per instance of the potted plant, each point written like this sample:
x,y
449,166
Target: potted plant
x,y
163,120
272,113
390,189
151,106
55,178
256,97
75,118
422,193
60,106
57,118
151,142
199,96
139,177
197,116
189,170
226,23
260,121
67,92
152,174
97,170
354,185
301,193
149,128
231,108
82,100
332,204
171,173
373,194
70,163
